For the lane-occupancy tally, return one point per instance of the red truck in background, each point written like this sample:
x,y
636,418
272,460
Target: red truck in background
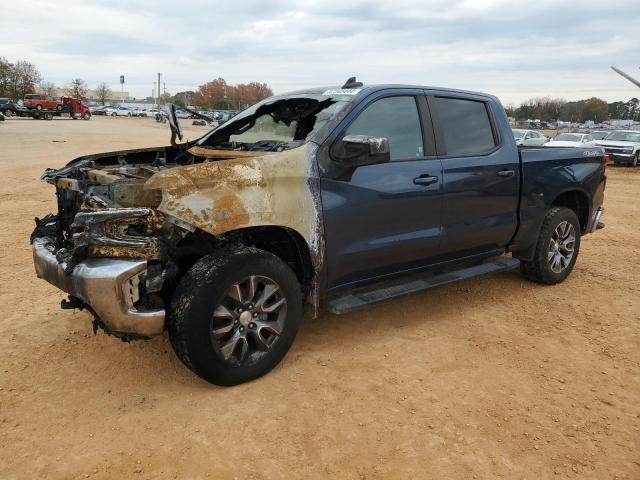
x,y
37,108
40,101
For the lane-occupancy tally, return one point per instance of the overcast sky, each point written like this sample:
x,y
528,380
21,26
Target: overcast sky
x,y
514,49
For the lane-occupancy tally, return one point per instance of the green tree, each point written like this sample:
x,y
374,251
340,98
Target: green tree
x,y
596,110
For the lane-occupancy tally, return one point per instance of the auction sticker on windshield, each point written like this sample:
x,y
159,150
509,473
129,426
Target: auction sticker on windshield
x,y
342,91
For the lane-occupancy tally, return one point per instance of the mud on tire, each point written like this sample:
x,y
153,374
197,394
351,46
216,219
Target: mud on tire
x,y
204,318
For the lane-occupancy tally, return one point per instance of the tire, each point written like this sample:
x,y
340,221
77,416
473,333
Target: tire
x,y
59,108
114,114
7,113
38,107
86,116
128,114
634,162
215,335
546,266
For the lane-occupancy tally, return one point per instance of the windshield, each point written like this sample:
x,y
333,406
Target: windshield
x,y
599,135
625,136
518,134
277,123
568,137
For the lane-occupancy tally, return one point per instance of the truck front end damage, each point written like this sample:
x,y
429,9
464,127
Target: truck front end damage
x,y
108,247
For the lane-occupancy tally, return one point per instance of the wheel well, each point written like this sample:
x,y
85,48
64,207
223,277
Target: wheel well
x,y
283,242
578,202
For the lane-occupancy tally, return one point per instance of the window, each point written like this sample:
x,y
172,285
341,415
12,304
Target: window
x,y
395,118
465,125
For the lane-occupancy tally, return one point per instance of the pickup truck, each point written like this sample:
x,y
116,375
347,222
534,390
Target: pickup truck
x,y
340,197
42,102
623,146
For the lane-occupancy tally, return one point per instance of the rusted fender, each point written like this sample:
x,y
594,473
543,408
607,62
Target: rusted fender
x,y
253,190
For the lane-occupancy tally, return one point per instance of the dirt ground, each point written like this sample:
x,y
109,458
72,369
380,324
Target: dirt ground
x,y
491,378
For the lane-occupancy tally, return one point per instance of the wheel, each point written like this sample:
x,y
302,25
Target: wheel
x,y
7,113
114,114
129,114
59,108
86,116
38,107
634,161
48,116
234,315
556,249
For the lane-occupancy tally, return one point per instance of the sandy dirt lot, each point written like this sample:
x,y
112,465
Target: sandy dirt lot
x,y
491,378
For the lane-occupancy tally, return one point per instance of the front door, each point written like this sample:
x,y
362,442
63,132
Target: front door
x,y
385,218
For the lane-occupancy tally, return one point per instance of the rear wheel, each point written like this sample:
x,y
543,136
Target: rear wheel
x,y
86,116
38,107
114,114
59,108
235,314
634,161
7,113
556,249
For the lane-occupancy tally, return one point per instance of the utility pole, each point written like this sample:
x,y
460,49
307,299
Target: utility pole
x,y
159,89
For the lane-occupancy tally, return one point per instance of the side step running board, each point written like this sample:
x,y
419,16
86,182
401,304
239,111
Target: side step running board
x,y
397,288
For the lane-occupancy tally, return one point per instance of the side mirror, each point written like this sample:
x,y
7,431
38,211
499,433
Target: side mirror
x,y
364,150
176,131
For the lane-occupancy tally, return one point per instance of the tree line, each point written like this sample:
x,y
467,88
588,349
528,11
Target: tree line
x,y
218,94
553,109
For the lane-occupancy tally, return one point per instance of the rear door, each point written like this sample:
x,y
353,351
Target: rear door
x,y
384,218
481,176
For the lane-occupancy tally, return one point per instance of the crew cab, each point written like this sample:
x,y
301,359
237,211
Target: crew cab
x,y
40,101
623,146
340,197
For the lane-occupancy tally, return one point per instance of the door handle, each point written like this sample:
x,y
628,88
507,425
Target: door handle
x,y
425,180
506,173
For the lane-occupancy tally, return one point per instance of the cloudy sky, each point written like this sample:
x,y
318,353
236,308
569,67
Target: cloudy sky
x,y
514,49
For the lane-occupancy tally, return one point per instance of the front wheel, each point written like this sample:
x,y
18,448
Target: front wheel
x,y
635,160
235,314
557,247
38,107
86,116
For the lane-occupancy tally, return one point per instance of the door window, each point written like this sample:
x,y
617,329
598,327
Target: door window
x,y
395,118
466,126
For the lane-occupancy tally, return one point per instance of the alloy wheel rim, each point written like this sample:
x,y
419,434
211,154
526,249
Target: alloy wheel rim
x,y
561,247
249,320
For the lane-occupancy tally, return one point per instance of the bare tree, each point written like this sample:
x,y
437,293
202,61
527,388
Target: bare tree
x,y
77,88
103,92
48,88
23,77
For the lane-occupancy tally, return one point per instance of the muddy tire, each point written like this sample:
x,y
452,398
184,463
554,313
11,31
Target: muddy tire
x,y
234,315
556,249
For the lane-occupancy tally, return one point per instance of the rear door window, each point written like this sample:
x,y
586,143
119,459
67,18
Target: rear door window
x,y
466,126
394,118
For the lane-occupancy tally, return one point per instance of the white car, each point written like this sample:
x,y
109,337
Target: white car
x,y
529,138
565,140
623,147
118,111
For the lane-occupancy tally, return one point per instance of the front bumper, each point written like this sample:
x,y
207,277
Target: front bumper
x,y
110,286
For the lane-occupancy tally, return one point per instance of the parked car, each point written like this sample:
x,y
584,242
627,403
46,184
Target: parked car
x,y
623,146
529,138
99,109
599,135
40,102
118,111
138,112
565,140
331,196
183,114
8,106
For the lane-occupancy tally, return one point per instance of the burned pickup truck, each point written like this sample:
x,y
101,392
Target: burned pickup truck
x,y
337,197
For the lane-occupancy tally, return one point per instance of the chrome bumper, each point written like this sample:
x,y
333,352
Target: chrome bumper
x,y
108,285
